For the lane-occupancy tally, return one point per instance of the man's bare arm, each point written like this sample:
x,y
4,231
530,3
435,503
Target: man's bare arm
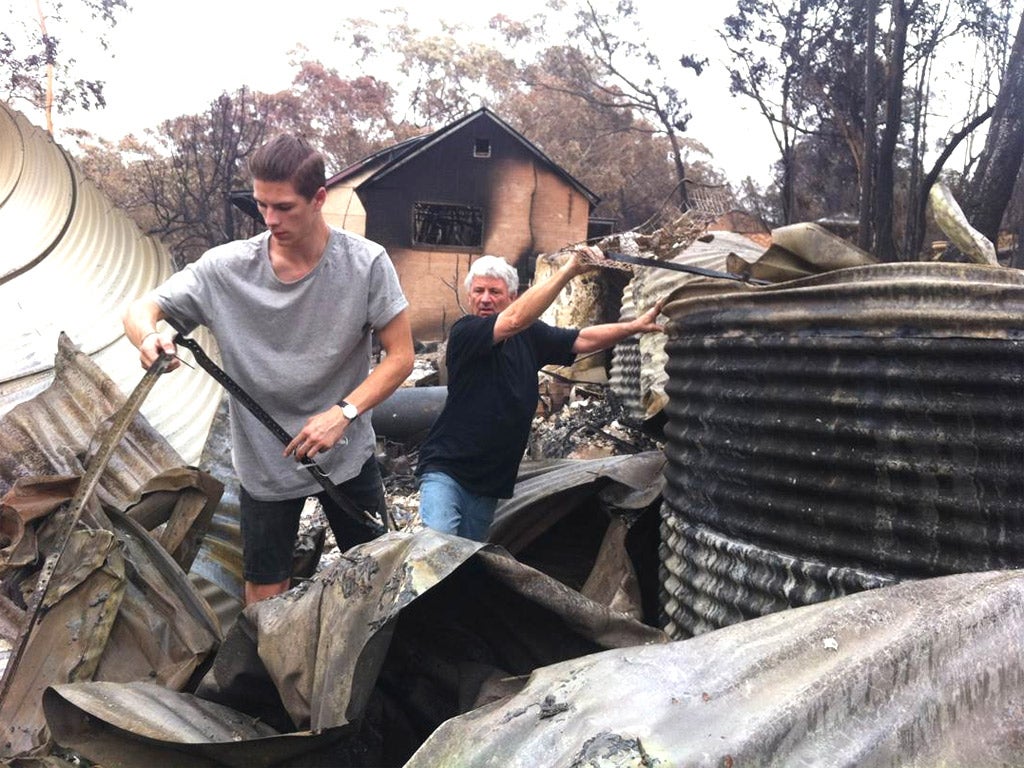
x,y
598,337
140,321
526,309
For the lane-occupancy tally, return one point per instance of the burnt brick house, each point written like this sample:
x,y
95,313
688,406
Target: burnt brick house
x,y
437,201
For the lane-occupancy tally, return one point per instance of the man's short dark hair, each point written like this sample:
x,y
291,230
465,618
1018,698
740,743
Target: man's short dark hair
x,y
289,158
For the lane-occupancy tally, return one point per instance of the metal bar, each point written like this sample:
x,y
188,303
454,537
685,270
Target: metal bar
x,y
244,399
71,514
644,262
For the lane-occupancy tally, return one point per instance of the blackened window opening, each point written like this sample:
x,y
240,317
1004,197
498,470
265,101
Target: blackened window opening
x,y
458,225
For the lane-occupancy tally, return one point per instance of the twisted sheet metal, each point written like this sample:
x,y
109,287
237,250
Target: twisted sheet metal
x,y
841,432
643,393
71,264
373,650
52,433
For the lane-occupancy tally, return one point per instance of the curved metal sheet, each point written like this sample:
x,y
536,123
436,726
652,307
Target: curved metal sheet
x,y
399,634
637,480
651,285
934,299
12,159
921,674
95,262
101,262
590,524
839,431
798,250
204,734
38,207
711,580
51,433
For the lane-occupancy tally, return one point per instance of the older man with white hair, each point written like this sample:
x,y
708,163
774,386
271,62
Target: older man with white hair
x,y
471,455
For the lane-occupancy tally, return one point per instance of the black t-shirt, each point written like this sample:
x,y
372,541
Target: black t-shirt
x,y
481,434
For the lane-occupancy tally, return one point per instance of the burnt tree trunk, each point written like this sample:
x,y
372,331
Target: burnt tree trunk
x,y
885,247
992,184
865,231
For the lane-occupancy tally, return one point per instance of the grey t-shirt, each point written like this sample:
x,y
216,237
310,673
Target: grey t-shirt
x,y
297,348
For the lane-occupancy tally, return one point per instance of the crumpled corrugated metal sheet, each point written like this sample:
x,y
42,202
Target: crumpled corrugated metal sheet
x,y
650,285
119,607
400,634
921,674
591,524
86,592
799,250
51,434
70,263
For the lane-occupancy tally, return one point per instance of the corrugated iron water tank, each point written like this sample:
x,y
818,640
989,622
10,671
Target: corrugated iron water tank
x,y
71,261
841,432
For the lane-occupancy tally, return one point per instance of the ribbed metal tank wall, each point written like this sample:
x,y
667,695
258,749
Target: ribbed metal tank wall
x,y
625,369
838,433
71,262
638,374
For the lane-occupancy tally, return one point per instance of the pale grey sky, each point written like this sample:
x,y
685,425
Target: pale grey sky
x,y
173,58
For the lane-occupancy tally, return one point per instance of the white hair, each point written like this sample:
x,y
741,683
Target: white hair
x,y
494,266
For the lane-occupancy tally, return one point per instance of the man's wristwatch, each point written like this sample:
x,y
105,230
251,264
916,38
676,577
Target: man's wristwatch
x,y
348,410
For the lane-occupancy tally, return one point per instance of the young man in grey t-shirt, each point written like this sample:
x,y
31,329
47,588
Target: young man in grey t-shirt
x,y
292,311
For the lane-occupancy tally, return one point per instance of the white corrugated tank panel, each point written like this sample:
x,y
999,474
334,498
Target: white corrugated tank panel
x,y
12,159
653,284
92,266
41,193
91,272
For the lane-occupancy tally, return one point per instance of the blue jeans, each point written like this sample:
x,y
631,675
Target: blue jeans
x,y
448,507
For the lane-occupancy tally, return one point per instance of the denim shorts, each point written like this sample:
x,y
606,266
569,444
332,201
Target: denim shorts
x,y
269,528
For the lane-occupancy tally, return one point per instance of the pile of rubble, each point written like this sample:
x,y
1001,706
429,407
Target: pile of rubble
x,y
588,426
573,422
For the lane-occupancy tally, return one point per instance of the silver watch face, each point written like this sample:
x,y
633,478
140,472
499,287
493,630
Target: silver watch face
x,y
349,411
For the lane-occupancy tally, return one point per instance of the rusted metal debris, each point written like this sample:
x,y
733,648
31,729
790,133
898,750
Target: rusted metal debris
x,y
65,520
356,666
120,606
